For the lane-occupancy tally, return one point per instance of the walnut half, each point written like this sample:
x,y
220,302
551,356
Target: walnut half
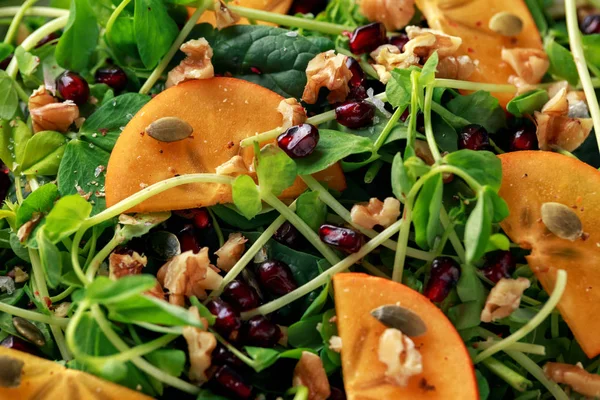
x,y
578,378
200,346
377,212
327,70
504,298
231,251
197,64
310,372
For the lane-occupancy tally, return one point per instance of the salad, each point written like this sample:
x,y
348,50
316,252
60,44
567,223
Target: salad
x,y
319,200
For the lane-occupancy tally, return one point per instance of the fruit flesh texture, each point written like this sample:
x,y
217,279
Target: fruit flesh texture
x,y
446,362
222,111
532,178
275,6
469,19
43,379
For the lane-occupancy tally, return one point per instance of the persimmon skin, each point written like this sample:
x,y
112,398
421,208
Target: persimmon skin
x,y
50,380
275,6
447,365
532,178
469,19
222,111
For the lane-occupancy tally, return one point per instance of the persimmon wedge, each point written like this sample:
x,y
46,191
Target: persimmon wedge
x,y
222,112
448,372
43,379
275,6
469,20
532,178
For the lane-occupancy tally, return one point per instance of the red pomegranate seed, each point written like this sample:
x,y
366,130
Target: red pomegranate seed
x,y
228,320
276,277
355,115
299,141
308,6
188,240
240,295
474,137
498,265
232,383
5,183
71,86
444,275
260,332
367,38
337,394
591,24
202,218
287,234
524,139
222,356
343,238
399,41
357,93
15,343
358,75
114,77
46,39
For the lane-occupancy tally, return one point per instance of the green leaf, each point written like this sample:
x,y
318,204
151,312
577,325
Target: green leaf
x,y
537,12
317,305
155,31
121,39
527,103
262,357
50,258
428,72
170,361
27,62
142,308
479,108
333,146
479,227
445,135
203,311
498,241
66,217
43,153
482,383
40,201
80,37
591,48
206,394
246,196
426,212
562,63
401,182
107,291
140,224
304,333
501,210
311,210
6,49
9,100
343,12
18,248
472,161
399,88
14,136
276,170
233,218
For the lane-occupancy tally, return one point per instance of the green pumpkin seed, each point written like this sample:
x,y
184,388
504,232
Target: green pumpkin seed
x,y
29,331
562,221
163,245
506,24
169,129
10,372
403,319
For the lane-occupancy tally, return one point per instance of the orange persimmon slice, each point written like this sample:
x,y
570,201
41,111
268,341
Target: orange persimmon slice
x,y
275,6
43,379
222,111
469,19
448,371
532,178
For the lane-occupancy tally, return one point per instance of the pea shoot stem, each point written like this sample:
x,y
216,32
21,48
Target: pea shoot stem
x,y
14,26
530,348
113,17
428,127
94,265
528,364
508,375
63,295
33,316
34,12
467,85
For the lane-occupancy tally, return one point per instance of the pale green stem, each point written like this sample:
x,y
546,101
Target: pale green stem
x,y
400,256
14,26
33,316
33,182
538,373
387,129
522,347
467,85
185,31
324,277
244,358
18,189
513,378
579,57
31,40
559,288
454,239
63,295
139,362
300,392
302,227
115,14
175,330
322,118
34,12
75,257
96,262
217,227
428,126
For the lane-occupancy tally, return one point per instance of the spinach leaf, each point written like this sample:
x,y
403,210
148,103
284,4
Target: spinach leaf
x,y
80,37
311,209
107,291
276,170
333,146
14,136
479,227
154,29
472,161
104,126
426,212
527,103
479,108
318,303
6,49
50,258
281,57
43,153
40,201
562,63
9,100
238,221
246,196
66,217
304,333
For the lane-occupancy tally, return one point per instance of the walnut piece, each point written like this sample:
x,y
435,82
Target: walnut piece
x,y
224,16
197,64
377,212
187,275
233,167
330,71
121,265
394,14
310,372
425,41
504,298
397,351
62,310
558,104
529,64
20,275
578,378
28,227
293,113
54,116
40,98
231,251
200,347
461,67
335,343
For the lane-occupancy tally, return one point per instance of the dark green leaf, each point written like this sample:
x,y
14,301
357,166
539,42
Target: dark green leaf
x,y
18,248
317,305
479,227
401,182
262,357
13,298
472,161
206,394
170,361
80,37
9,100
43,153
305,334
276,170
40,201
155,31
107,291
66,217
466,315
246,196
500,207
591,48
426,212
535,8
527,103
445,135
233,218
562,63
482,383
479,108
203,311
6,49
14,136
121,38
311,210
